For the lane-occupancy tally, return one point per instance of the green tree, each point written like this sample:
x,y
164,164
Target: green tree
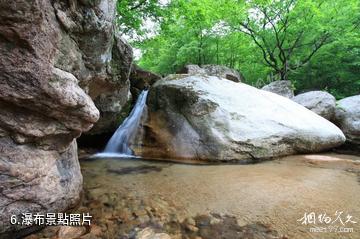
x,y
336,67
313,43
131,15
289,32
197,34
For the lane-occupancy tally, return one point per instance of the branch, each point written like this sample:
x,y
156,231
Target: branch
x,y
265,50
275,30
317,45
295,45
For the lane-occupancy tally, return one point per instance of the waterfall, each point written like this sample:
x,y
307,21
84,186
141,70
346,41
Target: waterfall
x,y
118,145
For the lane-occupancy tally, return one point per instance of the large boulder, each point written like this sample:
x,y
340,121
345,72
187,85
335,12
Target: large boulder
x,y
89,48
280,87
33,181
347,116
208,118
213,70
56,58
320,102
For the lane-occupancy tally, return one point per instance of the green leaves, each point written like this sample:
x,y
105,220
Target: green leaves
x,y
314,43
132,14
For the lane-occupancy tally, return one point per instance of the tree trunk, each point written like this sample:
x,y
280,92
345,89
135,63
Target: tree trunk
x,y
217,51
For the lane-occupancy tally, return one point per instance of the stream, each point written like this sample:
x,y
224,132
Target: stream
x,y
265,200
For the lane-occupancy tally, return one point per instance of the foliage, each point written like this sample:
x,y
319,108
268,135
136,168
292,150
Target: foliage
x,y
131,15
336,68
313,43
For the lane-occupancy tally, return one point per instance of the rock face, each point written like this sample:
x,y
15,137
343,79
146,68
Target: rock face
x,y
141,79
114,107
56,58
280,87
213,70
347,116
320,102
89,48
36,181
207,118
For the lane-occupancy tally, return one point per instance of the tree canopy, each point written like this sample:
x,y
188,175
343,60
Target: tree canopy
x,y
313,43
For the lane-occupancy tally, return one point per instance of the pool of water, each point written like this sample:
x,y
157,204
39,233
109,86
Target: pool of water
x,y
263,200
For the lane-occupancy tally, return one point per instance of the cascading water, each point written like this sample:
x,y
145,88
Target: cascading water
x,y
118,145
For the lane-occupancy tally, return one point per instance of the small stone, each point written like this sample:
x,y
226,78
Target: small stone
x,y
66,232
140,212
89,236
125,215
161,236
144,218
214,220
148,233
241,222
190,221
96,230
192,228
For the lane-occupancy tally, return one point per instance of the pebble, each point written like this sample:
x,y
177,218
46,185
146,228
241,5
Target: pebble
x,y
66,232
148,233
190,221
192,228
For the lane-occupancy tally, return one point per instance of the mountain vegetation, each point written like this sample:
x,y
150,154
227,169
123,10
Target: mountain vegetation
x,y
313,43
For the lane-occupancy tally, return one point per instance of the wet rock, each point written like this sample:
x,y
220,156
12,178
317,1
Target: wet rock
x,y
207,118
280,87
67,232
320,102
228,228
56,58
212,70
347,116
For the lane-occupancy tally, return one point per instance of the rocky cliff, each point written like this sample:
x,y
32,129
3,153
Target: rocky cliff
x,y
57,59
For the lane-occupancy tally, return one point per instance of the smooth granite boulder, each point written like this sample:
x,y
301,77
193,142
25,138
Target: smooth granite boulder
x,y
208,118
